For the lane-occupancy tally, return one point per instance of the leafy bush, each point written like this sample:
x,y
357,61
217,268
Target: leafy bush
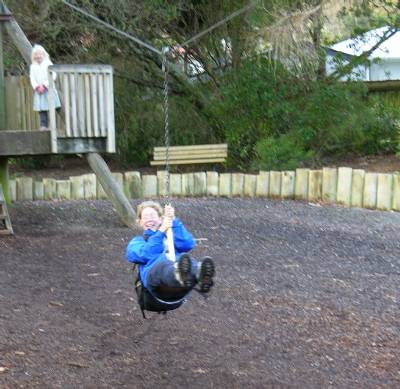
x,y
38,161
382,134
255,105
31,162
274,120
282,153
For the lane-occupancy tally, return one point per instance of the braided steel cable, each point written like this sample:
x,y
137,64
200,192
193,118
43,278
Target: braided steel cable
x,y
238,12
115,29
166,121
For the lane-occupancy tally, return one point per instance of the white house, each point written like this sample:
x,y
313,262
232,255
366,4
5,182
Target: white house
x,y
384,61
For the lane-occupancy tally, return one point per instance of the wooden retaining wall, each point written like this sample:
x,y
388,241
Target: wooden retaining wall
x,y
346,186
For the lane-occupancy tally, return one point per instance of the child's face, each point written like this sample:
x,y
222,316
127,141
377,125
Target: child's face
x,y
38,56
150,220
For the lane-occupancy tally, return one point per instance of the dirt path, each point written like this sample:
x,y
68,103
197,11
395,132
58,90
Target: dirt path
x,y
306,297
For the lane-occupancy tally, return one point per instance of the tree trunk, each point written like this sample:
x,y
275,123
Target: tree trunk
x,y
317,24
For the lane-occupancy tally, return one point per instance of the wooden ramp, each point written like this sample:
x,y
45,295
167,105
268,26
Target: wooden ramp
x,y
5,222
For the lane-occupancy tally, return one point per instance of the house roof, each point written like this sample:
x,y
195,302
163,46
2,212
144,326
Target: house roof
x,y
356,46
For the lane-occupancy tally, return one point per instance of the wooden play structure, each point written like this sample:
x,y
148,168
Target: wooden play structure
x,y
85,125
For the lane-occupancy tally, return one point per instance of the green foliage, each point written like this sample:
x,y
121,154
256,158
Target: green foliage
x,y
38,162
362,16
140,123
270,117
275,120
383,132
32,162
282,153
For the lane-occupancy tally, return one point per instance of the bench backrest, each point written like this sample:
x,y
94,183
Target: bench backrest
x,y
191,154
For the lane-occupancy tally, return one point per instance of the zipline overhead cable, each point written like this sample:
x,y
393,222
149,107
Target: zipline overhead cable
x,y
148,46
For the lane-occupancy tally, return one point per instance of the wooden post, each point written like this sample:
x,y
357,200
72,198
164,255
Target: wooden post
x,y
4,176
2,83
113,190
17,35
110,113
52,112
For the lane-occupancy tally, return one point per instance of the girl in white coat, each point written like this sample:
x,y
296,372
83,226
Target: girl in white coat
x,y
40,84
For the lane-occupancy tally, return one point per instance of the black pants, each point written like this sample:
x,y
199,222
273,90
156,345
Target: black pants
x,y
44,118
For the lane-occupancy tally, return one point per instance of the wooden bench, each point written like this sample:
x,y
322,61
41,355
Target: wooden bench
x,y
181,155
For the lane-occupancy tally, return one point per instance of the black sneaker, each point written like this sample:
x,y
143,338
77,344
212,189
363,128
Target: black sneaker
x,y
206,274
185,271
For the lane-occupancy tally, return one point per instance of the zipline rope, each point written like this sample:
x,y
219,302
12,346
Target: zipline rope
x,y
166,121
111,27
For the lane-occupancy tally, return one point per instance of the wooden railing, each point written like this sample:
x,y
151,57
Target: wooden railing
x,y
86,92
19,102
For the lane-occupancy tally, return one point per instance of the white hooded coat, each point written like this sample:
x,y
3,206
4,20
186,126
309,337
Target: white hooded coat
x,y
39,76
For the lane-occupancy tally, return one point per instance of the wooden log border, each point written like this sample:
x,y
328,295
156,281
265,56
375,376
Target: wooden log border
x,y
343,186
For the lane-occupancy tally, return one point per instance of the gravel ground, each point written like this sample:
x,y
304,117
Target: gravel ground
x,y
305,297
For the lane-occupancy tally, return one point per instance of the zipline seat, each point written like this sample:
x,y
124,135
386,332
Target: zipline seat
x,y
187,155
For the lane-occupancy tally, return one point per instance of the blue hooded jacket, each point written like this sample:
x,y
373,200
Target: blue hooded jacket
x,y
150,248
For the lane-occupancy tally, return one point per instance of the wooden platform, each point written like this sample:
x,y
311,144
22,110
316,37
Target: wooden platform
x,y
14,143
20,143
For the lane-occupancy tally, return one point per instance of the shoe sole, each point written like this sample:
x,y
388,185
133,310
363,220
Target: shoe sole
x,y
185,271
207,272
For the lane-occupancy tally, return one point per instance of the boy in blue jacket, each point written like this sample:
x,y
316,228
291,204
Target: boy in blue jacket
x,y
157,270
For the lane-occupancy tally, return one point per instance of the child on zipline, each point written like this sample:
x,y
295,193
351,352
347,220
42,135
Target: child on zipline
x,y
163,278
